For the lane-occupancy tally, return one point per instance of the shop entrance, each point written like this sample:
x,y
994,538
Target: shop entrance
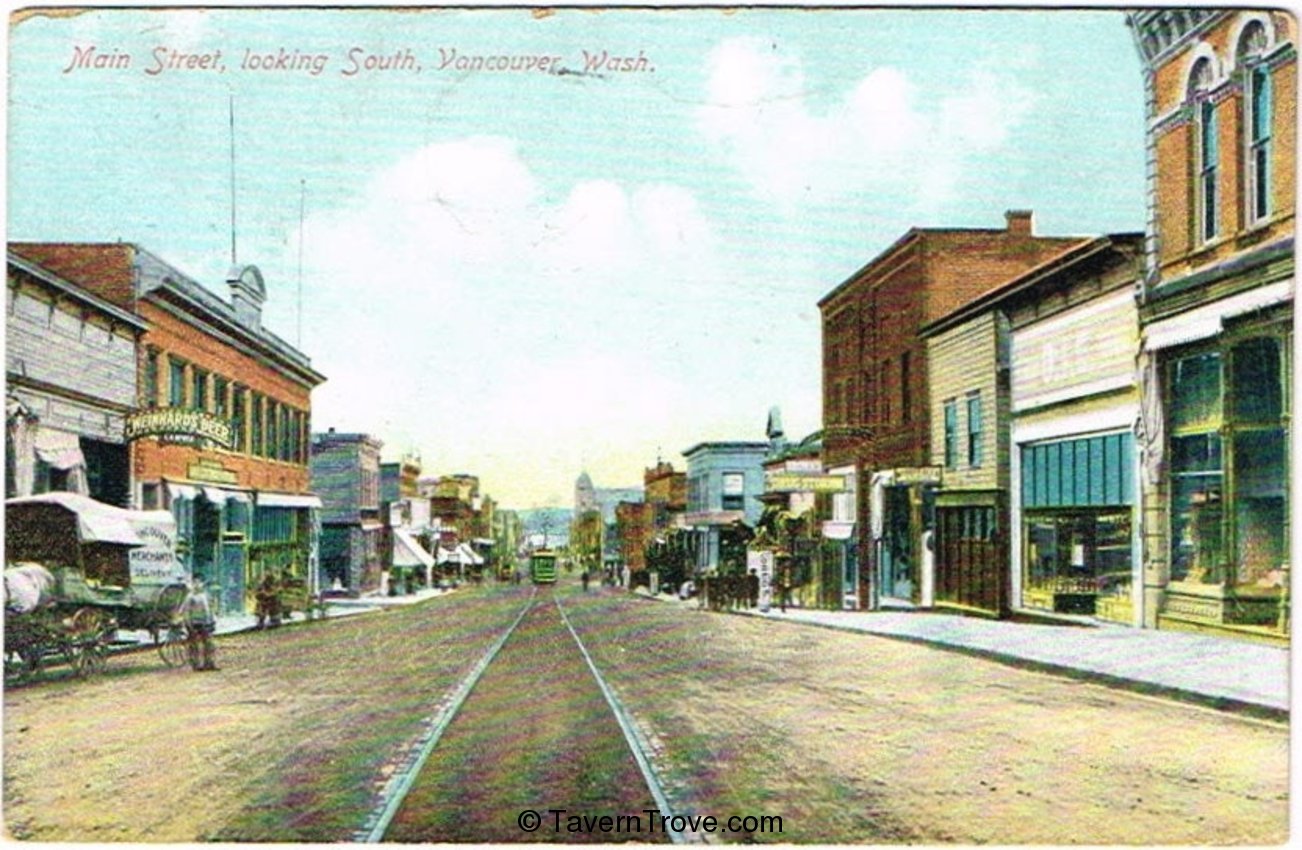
x,y
899,573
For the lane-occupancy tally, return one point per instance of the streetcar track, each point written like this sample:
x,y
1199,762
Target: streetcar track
x,y
400,783
631,734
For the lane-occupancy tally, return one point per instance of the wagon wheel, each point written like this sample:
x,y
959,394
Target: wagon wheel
x,y
89,630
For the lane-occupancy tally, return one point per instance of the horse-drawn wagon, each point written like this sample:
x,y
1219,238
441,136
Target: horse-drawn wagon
x,y
81,570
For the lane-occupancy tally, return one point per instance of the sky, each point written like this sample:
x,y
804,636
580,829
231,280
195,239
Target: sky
x,y
563,264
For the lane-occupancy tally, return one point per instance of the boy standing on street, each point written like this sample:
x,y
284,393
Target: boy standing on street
x,y
200,622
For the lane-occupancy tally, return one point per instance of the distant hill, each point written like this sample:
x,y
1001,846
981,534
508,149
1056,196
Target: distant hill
x,y
554,521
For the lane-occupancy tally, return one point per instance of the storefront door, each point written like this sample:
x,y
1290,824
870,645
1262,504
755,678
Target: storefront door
x,y
899,558
232,577
206,540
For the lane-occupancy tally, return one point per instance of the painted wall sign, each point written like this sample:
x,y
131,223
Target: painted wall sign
x,y
207,470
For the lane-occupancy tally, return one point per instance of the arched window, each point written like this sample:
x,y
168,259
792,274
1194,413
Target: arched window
x,y
1257,118
1207,149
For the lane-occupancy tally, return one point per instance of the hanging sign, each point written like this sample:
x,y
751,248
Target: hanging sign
x,y
178,425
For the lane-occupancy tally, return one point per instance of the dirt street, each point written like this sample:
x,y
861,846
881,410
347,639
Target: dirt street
x,y
289,741
536,734
849,738
853,738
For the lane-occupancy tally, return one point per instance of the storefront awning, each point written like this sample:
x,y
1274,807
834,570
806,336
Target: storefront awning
x,y
407,552
1206,321
181,491
838,530
288,500
59,449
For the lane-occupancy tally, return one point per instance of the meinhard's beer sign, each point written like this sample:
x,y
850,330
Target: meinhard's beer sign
x,y
797,482
178,425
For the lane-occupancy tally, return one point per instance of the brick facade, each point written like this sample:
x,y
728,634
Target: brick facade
x,y
875,376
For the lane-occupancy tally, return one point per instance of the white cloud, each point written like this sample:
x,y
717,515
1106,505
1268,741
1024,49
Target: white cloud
x,y
457,307
882,134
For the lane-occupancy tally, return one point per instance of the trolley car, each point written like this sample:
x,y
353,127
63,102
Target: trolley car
x,y
542,566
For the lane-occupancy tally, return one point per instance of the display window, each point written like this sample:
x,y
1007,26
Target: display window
x,y
1228,406
1077,497
1073,558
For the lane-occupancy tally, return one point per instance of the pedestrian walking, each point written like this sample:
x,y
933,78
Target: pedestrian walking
x,y
200,623
585,581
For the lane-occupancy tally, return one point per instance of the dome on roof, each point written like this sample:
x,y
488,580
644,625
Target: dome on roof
x,y
584,480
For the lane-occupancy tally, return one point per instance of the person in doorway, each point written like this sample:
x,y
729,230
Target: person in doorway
x,y
200,623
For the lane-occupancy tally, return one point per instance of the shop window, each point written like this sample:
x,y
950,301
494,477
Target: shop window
x,y
1197,482
1229,467
1260,512
1073,558
974,430
951,434
1196,391
1258,394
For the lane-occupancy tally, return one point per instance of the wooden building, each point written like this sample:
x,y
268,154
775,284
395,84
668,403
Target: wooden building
x,y
70,383
1025,381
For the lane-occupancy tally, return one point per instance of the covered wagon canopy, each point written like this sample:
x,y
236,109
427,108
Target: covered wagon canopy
x,y
71,530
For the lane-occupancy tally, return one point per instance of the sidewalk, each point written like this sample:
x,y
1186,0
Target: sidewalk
x,y
342,607
1220,672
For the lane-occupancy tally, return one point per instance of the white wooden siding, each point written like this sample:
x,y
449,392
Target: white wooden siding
x,y
1086,350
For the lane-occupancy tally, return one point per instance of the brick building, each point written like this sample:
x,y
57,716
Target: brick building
x,y
221,438
875,393
1217,317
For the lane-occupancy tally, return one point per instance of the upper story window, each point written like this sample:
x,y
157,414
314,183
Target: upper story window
x,y
151,395
1200,84
974,430
951,434
734,491
1258,116
176,383
238,418
199,397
